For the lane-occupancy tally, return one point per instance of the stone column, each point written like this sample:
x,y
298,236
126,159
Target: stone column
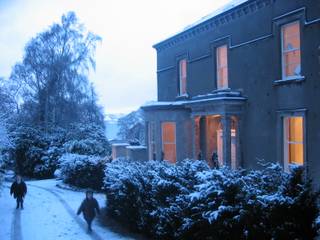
x,y
193,137
146,138
238,142
226,124
203,136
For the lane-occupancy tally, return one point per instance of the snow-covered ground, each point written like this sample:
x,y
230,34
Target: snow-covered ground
x,y
49,214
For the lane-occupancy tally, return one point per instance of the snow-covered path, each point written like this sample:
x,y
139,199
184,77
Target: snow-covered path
x,y
50,214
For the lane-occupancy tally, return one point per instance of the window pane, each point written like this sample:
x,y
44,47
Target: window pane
x,y
222,56
168,132
183,76
222,67
169,152
291,50
183,68
183,86
291,29
292,42
293,70
169,141
296,129
292,57
224,77
293,140
296,153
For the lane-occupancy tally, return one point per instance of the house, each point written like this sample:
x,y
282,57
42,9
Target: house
x,y
241,85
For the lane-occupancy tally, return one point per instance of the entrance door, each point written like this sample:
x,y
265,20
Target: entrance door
x,y
169,141
233,147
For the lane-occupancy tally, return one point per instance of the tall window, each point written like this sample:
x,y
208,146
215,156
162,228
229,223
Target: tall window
x,y
222,67
291,54
151,140
183,77
293,141
169,141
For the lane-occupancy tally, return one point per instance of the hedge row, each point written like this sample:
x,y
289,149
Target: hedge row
x,y
191,201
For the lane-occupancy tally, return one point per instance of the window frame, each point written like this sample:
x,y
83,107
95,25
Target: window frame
x,y
219,67
283,64
282,114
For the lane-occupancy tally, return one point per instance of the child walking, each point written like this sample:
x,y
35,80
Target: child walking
x,y
89,207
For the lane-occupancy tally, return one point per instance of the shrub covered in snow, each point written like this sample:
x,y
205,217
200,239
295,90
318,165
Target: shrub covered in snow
x,y
191,201
36,151
82,170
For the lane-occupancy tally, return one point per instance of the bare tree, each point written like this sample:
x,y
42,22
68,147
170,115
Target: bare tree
x,y
53,73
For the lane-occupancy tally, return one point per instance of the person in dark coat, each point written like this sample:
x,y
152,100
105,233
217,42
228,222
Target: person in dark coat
x,y
19,191
89,207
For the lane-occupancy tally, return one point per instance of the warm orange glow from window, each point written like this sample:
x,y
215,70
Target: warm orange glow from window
x,y
183,76
291,55
222,67
169,141
293,140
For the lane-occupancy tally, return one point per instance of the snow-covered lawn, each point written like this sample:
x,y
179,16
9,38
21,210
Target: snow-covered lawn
x,y
49,214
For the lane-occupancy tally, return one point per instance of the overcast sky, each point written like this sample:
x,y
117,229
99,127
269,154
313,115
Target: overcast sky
x,y
125,77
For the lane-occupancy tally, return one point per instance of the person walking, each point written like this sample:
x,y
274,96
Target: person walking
x,y
89,207
19,191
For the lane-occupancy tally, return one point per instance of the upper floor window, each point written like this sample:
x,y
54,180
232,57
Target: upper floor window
x,y
291,53
183,77
222,67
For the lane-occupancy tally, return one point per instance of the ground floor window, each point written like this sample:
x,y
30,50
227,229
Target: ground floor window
x,y
169,141
293,140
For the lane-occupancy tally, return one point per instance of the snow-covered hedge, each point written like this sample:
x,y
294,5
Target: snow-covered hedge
x,y
191,201
82,170
35,151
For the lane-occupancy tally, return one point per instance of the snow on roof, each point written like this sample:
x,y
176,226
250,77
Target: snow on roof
x,y
231,4
232,95
120,144
136,147
228,6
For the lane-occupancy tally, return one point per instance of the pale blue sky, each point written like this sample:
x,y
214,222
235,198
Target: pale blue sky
x,y
125,77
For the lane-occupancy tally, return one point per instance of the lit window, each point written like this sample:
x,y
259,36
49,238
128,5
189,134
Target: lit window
x,y
169,141
291,54
293,141
182,77
222,67
151,138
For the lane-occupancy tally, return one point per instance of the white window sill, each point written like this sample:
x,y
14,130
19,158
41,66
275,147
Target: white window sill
x,y
183,96
294,79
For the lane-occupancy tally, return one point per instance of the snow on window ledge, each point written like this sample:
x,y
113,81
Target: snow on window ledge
x,y
289,80
182,96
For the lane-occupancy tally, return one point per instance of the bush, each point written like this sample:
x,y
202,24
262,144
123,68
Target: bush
x,y
82,171
191,201
36,151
